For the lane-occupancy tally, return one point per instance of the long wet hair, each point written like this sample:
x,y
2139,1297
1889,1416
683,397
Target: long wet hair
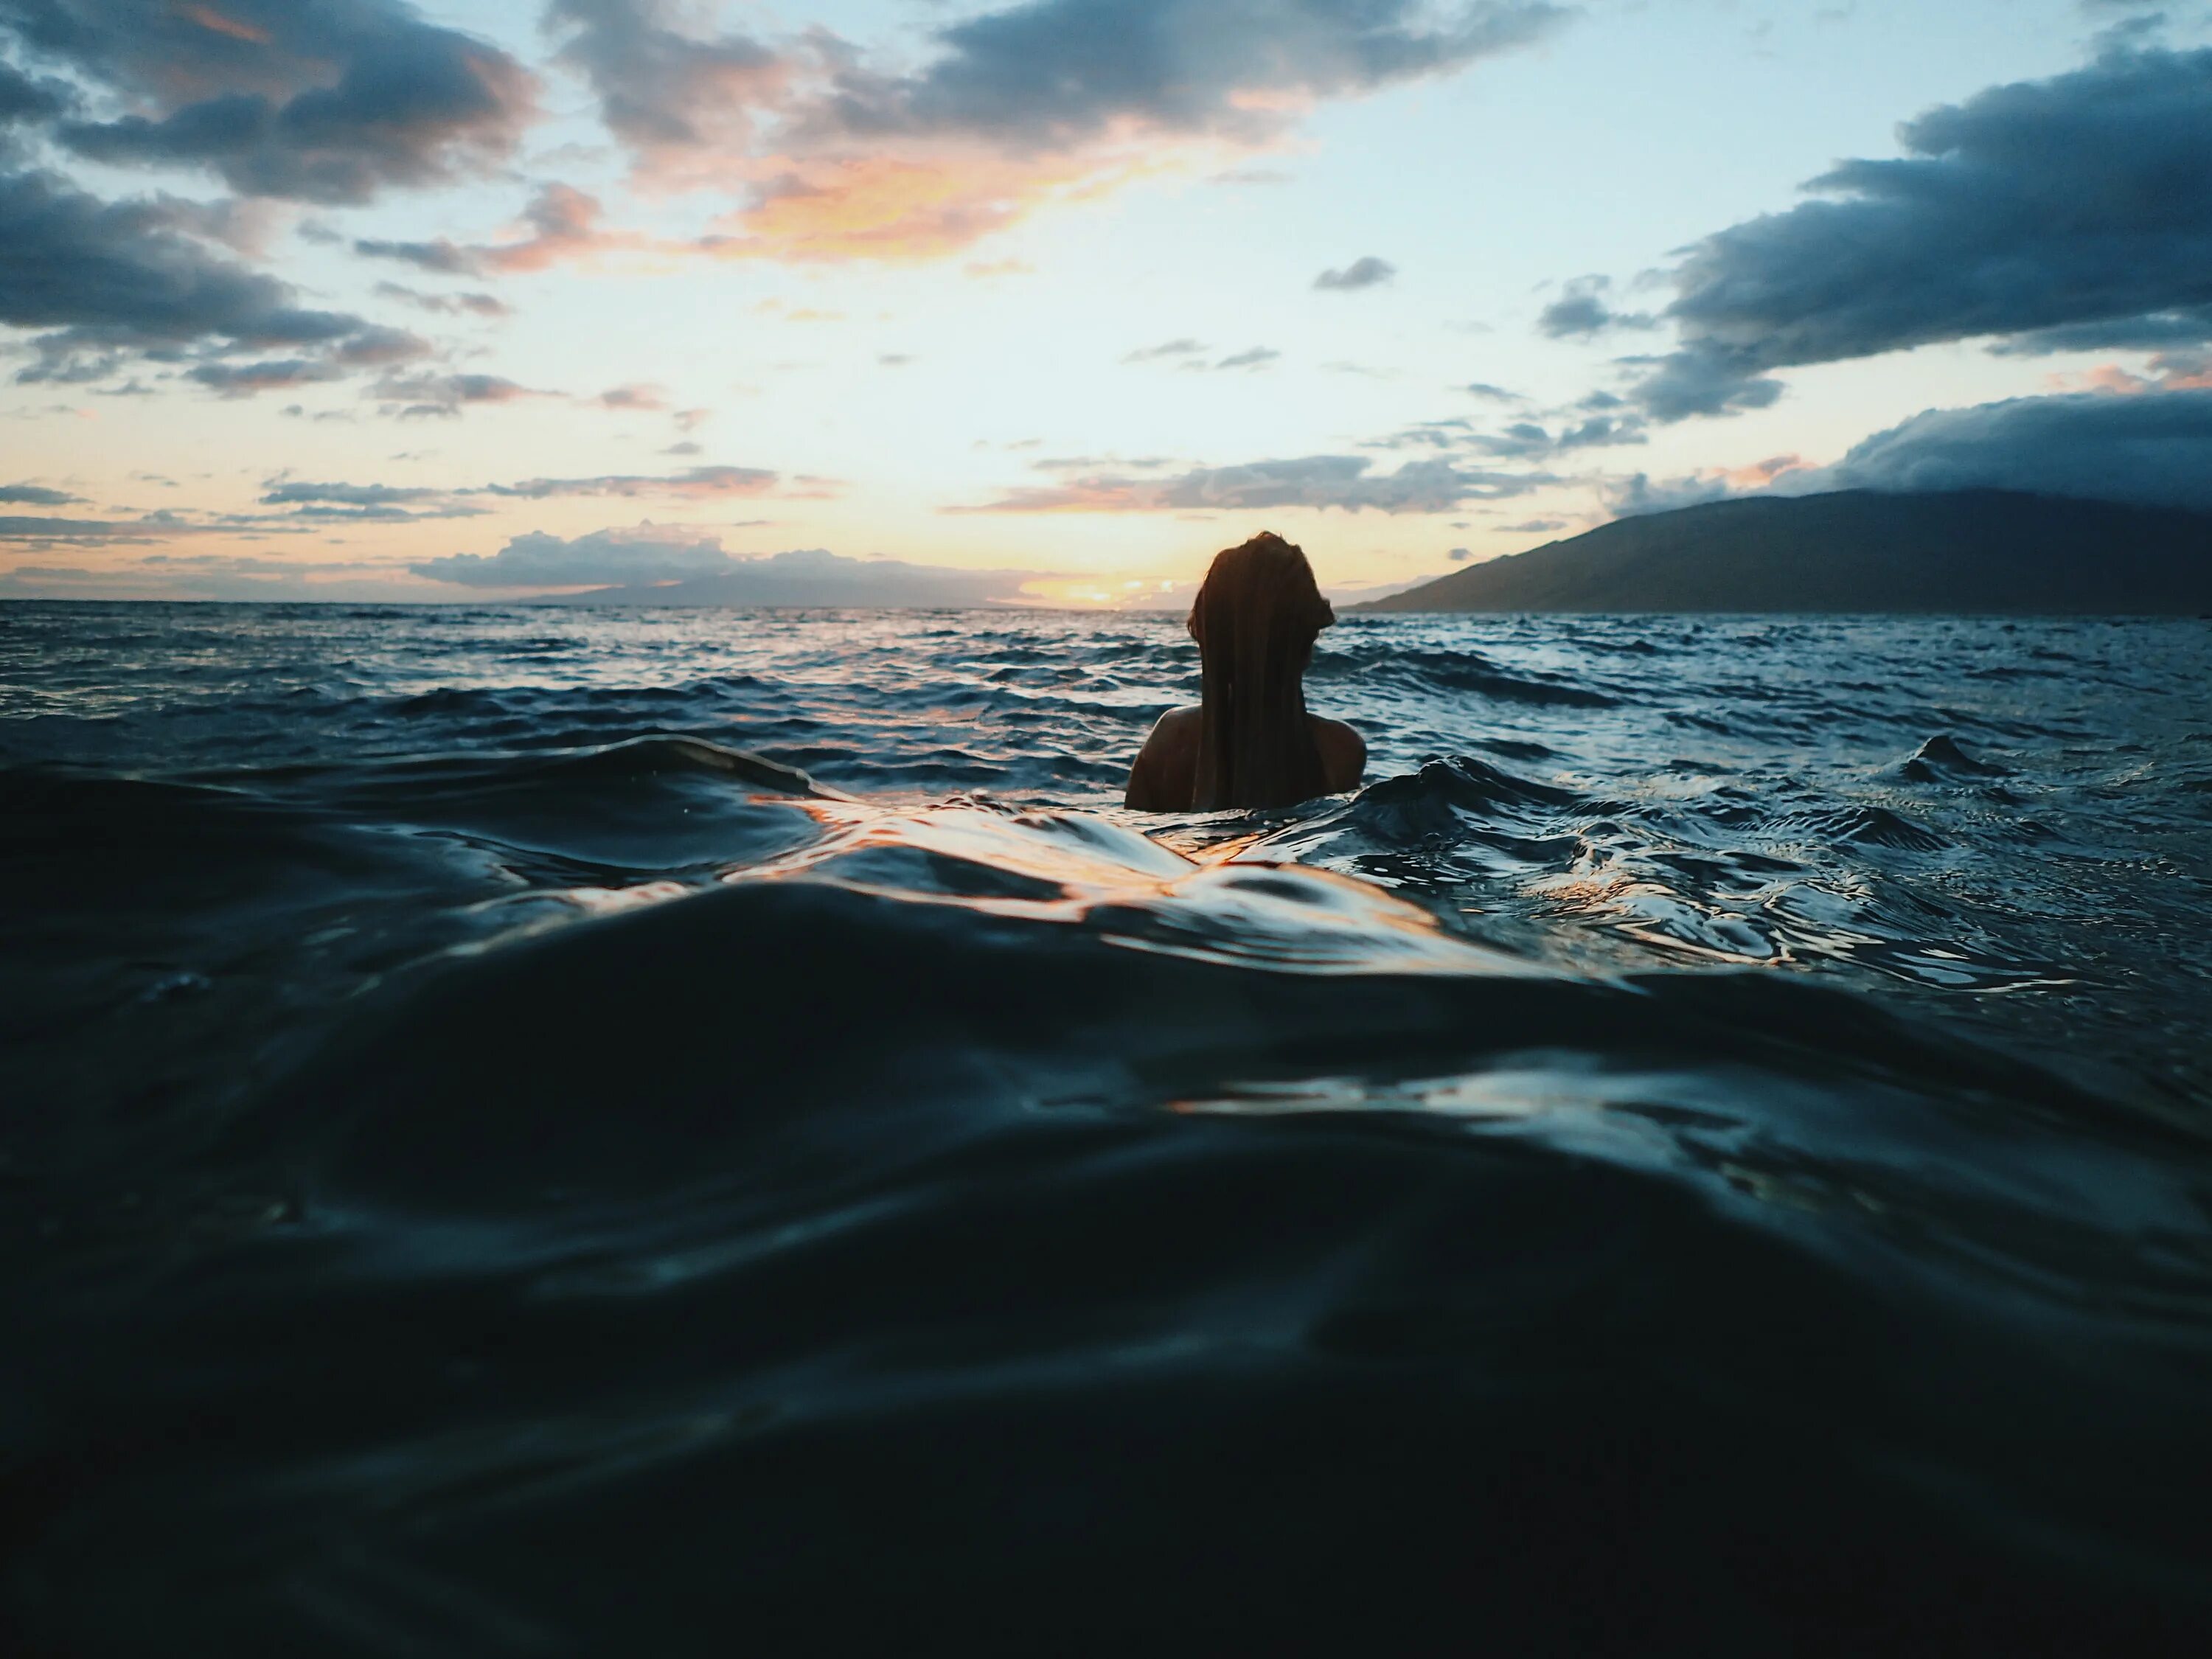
x,y
1255,620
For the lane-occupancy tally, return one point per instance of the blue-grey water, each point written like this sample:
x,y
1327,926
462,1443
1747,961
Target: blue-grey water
x,y
535,1130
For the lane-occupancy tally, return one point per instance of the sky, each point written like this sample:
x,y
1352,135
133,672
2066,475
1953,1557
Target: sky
x,y
895,302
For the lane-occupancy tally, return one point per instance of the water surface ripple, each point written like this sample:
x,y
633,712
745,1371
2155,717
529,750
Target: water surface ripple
x,y
546,1131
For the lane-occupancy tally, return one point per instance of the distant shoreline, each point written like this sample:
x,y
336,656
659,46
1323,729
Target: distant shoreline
x,y
1985,553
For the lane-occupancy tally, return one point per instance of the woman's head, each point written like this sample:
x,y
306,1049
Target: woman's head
x,y
1263,590
1255,619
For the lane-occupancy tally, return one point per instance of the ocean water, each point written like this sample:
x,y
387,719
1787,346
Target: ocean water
x,y
537,1131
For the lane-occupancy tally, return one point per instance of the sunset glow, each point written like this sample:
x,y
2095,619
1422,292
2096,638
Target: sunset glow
x,y
988,293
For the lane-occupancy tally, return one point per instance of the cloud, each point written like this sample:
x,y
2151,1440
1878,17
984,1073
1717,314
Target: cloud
x,y
329,103
1057,73
603,558
214,576
814,578
327,499
638,395
1257,357
1582,312
445,258
2082,204
671,566
670,96
1312,481
1639,493
1460,555
1182,348
474,305
105,533
1497,394
1360,273
25,494
111,277
1525,440
246,380
2155,330
374,502
411,397
560,223
2153,449
1532,527
844,159
31,98
376,346
695,483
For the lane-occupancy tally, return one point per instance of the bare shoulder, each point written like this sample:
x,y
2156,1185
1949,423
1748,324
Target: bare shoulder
x,y
1177,721
1343,753
1166,766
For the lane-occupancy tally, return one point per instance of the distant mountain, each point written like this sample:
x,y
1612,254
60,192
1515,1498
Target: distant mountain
x,y
1975,551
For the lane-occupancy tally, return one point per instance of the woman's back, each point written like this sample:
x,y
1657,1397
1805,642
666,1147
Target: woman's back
x,y
1165,777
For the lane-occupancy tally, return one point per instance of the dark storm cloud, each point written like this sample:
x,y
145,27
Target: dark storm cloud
x,y
328,102
112,277
2080,203
1059,72
1365,272
2153,449
1312,481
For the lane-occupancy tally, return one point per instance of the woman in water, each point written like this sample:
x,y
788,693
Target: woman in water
x,y
1250,743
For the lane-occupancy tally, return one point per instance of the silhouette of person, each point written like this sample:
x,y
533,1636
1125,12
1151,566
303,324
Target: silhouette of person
x,y
1250,743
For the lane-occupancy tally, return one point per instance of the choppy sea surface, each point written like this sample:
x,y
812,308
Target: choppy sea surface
x,y
535,1131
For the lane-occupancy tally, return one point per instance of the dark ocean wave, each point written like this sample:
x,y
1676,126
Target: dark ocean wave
x,y
720,1133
